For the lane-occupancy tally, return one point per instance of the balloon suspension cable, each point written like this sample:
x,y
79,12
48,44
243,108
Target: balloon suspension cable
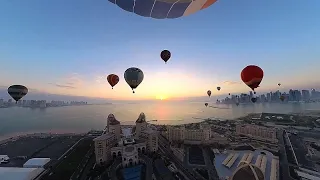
x,y
16,102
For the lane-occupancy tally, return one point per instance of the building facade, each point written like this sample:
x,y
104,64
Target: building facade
x,y
257,132
117,142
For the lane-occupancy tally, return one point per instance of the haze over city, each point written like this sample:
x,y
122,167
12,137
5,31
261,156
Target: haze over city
x,y
68,48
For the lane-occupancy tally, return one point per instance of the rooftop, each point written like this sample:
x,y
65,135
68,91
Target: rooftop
x,y
104,137
14,173
141,118
112,120
37,162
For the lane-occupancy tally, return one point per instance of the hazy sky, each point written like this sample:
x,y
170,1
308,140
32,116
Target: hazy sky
x,y
69,47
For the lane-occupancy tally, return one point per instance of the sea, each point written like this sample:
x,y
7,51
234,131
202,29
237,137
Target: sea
x,y
77,119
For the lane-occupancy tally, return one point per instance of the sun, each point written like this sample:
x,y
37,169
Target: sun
x,y
161,97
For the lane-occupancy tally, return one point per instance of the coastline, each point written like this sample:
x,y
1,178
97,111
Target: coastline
x,y
6,137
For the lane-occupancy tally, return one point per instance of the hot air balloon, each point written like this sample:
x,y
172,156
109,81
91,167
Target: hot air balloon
x,y
165,55
218,88
133,76
17,92
163,9
282,97
113,80
229,94
206,104
209,93
279,84
253,99
252,76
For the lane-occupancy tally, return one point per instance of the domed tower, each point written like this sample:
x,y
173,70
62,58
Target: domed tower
x,y
248,172
141,124
114,126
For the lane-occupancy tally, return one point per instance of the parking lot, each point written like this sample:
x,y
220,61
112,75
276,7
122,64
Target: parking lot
x,y
24,148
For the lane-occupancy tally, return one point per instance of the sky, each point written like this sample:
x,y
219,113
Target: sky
x,y
69,47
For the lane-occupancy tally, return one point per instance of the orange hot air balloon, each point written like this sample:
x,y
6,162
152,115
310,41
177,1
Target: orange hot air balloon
x,y
209,93
113,80
252,76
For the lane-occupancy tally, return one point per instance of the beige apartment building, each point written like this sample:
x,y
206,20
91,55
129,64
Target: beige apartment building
x,y
257,132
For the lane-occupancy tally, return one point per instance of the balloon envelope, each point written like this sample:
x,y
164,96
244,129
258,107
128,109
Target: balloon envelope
x,y
279,84
133,76
209,93
206,104
253,100
165,55
161,9
17,91
252,76
218,88
113,80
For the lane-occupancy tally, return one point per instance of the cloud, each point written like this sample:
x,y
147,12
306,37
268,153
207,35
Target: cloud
x,y
230,83
101,79
65,86
72,81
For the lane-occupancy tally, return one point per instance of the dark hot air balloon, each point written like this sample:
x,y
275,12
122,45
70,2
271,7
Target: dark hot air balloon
x,y
160,9
253,99
229,94
279,84
206,104
17,92
113,80
209,93
252,76
165,55
218,88
133,76
282,97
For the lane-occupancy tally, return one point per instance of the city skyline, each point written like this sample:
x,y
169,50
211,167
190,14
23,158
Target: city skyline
x,y
70,51
36,95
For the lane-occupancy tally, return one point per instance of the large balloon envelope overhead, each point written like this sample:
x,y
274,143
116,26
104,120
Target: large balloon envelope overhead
x,y
252,76
113,80
133,76
206,104
165,55
17,92
162,9
209,93
218,88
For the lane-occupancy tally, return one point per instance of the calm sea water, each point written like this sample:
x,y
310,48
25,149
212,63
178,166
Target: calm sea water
x,y
83,118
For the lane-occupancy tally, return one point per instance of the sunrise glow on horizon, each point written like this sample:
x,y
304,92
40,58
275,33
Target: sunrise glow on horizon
x,y
75,52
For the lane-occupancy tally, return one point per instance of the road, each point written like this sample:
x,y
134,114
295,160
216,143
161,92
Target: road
x,y
78,172
213,175
149,167
60,160
187,171
284,174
